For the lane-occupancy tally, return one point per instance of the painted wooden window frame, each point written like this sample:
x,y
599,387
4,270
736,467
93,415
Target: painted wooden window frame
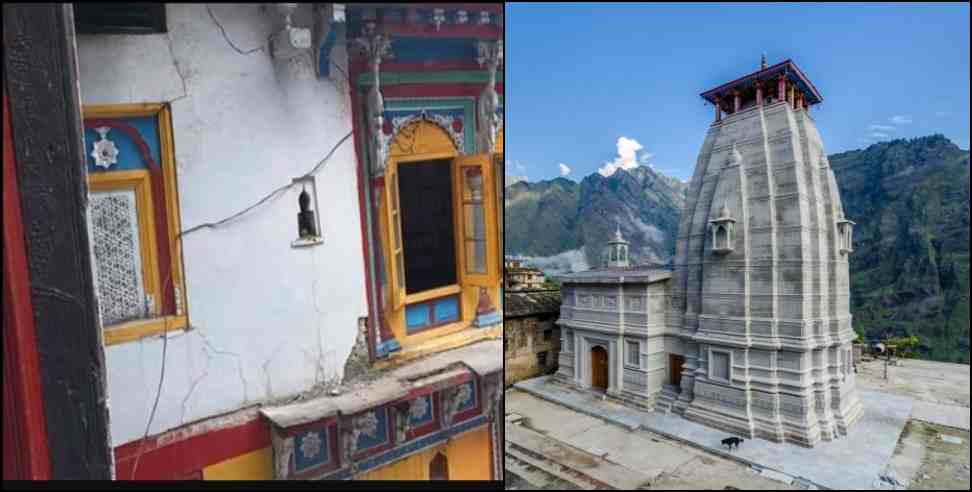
x,y
393,250
157,325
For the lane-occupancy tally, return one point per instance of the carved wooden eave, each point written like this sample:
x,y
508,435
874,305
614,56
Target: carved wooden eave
x,y
455,391
786,68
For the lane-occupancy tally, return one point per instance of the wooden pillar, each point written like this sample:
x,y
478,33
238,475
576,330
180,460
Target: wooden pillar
x,y
759,93
735,101
789,95
718,109
40,70
781,88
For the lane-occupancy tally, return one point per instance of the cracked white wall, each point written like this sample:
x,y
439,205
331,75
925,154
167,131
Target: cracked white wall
x,y
268,320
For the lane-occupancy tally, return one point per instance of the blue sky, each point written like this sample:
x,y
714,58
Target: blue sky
x,y
600,86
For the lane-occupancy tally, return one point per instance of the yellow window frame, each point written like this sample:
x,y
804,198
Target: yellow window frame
x,y
138,329
421,142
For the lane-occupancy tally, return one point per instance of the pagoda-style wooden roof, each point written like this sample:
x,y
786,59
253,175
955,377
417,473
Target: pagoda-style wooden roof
x,y
768,75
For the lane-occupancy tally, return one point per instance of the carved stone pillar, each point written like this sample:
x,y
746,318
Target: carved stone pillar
x,y
490,56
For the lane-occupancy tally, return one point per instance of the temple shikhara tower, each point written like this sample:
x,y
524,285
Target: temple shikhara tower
x,y
760,288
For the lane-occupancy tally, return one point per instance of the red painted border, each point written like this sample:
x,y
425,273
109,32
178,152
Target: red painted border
x,y
427,30
174,461
23,404
161,209
442,90
363,218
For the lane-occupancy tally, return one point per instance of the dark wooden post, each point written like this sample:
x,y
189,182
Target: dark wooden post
x,y
41,77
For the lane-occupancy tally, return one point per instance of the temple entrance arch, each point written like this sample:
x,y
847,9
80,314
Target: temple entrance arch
x,y
599,368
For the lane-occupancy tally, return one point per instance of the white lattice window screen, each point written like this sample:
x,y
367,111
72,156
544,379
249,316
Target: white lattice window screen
x,y
117,254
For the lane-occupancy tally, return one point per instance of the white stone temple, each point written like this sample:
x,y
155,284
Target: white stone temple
x,y
752,331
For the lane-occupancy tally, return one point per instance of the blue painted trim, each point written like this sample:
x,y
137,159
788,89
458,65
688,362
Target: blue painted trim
x,y
129,156
487,319
382,436
324,61
412,49
447,310
417,316
429,415
408,449
324,454
384,349
473,402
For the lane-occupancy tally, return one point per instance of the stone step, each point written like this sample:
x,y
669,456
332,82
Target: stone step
x,y
534,476
527,464
665,401
583,468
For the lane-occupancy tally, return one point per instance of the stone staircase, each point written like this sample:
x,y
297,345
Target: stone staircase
x,y
666,399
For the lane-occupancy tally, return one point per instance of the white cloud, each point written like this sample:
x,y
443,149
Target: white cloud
x,y
900,119
940,113
627,157
564,169
881,128
878,135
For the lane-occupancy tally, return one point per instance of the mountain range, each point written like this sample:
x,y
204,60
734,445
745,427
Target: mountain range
x,y
909,197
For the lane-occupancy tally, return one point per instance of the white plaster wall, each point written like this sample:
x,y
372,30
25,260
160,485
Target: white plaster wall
x,y
265,316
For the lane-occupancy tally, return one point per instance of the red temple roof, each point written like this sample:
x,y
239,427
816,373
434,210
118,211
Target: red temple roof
x,y
785,67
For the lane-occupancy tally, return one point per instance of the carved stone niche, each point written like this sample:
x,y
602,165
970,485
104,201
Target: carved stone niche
x,y
845,235
723,228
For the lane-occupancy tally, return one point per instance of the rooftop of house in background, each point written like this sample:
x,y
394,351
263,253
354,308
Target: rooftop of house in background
x,y
530,302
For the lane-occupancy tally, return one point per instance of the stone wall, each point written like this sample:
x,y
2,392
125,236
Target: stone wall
x,y
523,340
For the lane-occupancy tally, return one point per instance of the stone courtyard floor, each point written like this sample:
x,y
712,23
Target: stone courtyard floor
x,y
914,434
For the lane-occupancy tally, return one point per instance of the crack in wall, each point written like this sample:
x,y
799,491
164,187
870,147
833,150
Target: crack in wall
x,y
175,64
226,37
239,365
266,371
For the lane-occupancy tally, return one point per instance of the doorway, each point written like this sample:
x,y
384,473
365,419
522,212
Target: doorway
x,y
675,363
439,468
599,368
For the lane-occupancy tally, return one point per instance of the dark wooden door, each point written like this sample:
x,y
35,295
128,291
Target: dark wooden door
x,y
675,366
599,368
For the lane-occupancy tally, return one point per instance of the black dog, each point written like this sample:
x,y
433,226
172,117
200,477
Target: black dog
x,y
732,441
